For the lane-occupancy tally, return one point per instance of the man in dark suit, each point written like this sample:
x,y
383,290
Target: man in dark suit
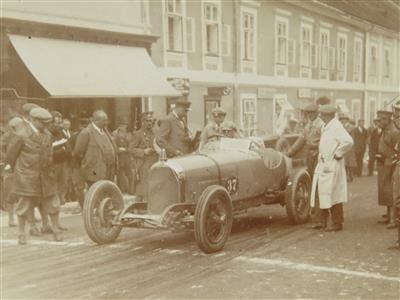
x,y
360,144
95,151
173,133
373,141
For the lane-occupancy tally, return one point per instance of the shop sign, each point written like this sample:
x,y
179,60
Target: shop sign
x,y
180,84
219,91
304,93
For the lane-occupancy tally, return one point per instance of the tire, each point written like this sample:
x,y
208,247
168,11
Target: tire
x,y
298,206
93,216
214,202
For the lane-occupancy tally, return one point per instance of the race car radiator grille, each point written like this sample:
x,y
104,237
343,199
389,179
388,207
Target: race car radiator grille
x,y
163,189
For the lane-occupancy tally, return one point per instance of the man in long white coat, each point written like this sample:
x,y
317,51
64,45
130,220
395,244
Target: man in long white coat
x,y
329,181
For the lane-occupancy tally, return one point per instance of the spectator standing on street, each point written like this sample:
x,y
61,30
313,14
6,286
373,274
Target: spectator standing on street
x,y
95,151
8,198
124,175
350,156
173,132
374,133
143,153
23,131
360,136
386,152
31,157
309,138
329,181
213,130
396,172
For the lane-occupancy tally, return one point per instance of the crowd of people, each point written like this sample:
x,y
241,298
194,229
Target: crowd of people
x,y
335,152
45,164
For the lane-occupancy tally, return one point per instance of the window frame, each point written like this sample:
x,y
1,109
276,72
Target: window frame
x,y
386,73
217,22
358,40
278,65
343,36
375,74
252,13
181,15
245,98
321,52
309,27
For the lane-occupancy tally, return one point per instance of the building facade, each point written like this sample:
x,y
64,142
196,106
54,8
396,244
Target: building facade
x,y
77,57
259,58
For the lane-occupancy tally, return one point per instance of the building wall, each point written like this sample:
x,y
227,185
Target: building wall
x,y
297,90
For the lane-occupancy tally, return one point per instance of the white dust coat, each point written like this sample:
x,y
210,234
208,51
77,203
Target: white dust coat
x,y
330,174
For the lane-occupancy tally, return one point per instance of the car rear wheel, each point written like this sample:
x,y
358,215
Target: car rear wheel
x,y
298,198
213,219
103,202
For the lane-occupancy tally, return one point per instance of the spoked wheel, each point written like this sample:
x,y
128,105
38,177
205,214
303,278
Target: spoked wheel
x,y
298,199
213,219
103,203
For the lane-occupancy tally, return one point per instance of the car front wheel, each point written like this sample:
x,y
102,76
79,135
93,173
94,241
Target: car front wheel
x,y
103,202
298,198
213,219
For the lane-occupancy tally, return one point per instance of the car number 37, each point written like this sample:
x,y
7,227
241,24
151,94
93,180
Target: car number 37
x,y
231,185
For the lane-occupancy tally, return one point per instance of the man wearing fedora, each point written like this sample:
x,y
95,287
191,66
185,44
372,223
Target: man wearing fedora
x,y
329,181
35,182
173,132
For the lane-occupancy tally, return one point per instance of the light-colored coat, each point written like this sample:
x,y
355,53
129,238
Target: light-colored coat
x,y
330,174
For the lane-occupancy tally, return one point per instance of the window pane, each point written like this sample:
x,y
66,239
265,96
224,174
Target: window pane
x,y
170,33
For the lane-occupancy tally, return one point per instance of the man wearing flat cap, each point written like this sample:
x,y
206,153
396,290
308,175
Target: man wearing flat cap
x,y
173,132
213,130
396,172
35,180
309,138
144,156
386,151
329,182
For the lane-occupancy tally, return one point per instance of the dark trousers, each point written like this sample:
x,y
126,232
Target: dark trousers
x,y
336,213
359,161
371,164
125,178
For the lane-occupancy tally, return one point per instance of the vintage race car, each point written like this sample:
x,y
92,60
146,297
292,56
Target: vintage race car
x,y
202,192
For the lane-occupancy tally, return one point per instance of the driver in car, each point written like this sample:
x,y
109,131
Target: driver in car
x,y
213,130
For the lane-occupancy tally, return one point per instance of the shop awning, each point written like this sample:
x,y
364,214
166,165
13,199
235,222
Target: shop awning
x,y
69,69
